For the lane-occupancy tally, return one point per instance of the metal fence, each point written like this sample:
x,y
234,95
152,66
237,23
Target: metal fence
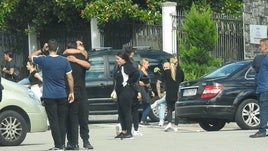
x,y
230,45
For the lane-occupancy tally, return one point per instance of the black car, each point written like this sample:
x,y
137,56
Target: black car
x,y
224,95
99,79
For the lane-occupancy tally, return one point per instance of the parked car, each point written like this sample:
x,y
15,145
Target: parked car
x,y
20,112
224,95
99,79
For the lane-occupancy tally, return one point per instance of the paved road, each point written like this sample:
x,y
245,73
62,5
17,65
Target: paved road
x,y
189,137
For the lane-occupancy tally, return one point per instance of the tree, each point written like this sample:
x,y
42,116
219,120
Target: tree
x,y
200,38
18,14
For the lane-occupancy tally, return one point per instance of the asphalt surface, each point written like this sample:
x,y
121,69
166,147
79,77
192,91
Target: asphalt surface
x,y
189,137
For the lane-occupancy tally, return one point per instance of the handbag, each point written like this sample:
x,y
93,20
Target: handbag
x,y
114,95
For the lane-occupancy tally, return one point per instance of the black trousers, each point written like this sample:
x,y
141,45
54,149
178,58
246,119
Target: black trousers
x,y
56,112
135,114
170,109
125,100
72,122
83,119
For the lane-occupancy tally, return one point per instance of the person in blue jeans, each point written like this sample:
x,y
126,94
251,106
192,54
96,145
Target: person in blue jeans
x,y
262,91
146,90
161,104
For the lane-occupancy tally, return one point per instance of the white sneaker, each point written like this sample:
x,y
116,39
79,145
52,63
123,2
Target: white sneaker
x,y
175,129
154,105
169,126
137,133
161,123
117,129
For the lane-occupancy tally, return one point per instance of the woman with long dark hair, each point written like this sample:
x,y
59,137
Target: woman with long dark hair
x,y
126,78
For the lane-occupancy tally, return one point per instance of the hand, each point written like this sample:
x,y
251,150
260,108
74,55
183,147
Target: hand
x,y
139,96
71,97
4,69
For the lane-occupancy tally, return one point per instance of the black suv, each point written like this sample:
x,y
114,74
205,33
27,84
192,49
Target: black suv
x,y
99,79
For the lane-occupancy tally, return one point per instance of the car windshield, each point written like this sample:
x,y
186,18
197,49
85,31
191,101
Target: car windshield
x,y
225,70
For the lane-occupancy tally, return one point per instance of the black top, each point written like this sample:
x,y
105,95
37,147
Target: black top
x,y
78,73
172,86
33,80
132,76
9,65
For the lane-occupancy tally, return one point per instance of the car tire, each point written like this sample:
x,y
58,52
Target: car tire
x,y
247,114
13,128
212,124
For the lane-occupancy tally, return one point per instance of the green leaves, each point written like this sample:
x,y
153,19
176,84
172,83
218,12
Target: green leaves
x,y
200,38
108,10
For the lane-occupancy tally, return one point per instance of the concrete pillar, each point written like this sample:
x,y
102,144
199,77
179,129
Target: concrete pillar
x,y
169,26
95,34
32,42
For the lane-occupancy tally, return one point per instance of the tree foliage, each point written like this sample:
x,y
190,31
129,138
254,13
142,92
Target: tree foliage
x,y
200,38
18,14
233,7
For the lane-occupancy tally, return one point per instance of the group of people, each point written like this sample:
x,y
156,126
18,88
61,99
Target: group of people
x,y
132,84
60,85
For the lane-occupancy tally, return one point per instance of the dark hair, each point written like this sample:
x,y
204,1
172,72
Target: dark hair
x,y
53,45
31,63
71,44
9,53
128,49
123,55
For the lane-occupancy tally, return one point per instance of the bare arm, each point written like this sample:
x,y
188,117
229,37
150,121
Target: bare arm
x,y
83,63
38,52
38,76
75,51
71,87
158,88
10,71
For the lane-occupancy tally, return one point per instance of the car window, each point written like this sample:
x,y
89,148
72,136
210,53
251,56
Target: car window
x,y
250,74
96,68
225,70
112,64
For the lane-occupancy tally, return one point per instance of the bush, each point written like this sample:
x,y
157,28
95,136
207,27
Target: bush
x,y
200,38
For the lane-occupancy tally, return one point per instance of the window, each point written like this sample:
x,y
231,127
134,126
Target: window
x,y
97,68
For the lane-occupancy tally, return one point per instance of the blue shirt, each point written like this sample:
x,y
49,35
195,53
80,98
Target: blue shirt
x,y
54,70
262,79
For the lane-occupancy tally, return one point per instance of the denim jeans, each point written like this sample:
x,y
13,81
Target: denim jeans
x,y
162,105
263,102
24,81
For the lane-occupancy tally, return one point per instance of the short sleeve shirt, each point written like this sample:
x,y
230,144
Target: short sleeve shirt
x,y
54,70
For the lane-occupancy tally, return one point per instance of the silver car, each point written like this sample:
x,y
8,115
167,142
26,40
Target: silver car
x,y
20,112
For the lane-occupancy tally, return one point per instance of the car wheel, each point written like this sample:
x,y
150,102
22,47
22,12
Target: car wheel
x,y
13,128
212,124
247,114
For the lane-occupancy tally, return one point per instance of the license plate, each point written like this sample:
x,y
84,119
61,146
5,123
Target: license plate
x,y
189,92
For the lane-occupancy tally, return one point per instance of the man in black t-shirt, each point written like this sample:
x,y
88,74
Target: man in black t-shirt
x,y
9,67
78,110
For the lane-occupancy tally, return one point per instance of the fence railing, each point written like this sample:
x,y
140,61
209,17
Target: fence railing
x,y
230,45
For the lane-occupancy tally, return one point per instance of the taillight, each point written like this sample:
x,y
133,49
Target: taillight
x,y
211,91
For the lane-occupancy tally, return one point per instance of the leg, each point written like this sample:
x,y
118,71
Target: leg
x,y
135,114
72,124
51,109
